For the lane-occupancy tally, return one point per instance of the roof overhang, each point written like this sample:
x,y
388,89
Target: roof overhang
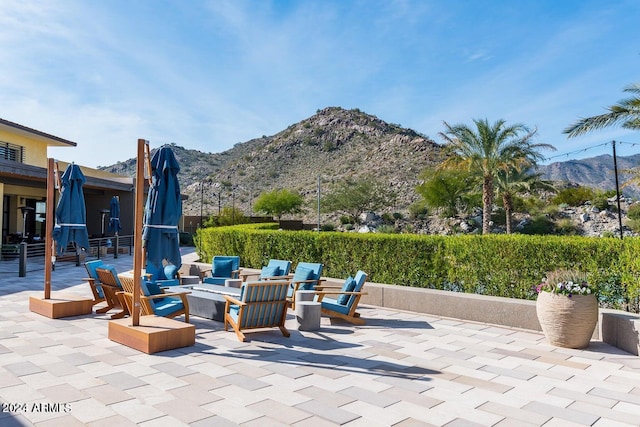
x,y
33,176
50,140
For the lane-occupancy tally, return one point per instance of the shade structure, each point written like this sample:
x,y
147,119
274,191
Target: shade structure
x,y
71,214
162,211
114,215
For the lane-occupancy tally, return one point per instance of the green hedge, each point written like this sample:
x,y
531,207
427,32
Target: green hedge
x,y
499,265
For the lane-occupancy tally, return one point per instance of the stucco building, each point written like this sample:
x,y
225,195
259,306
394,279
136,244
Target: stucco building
x,y
23,183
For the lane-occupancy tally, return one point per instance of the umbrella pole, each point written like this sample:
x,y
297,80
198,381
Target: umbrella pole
x,y
137,231
48,246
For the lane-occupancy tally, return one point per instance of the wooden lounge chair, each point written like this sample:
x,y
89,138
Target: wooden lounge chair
x,y
111,287
346,299
153,299
94,283
262,304
222,268
306,277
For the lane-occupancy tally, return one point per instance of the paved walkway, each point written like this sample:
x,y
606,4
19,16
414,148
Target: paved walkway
x,y
400,369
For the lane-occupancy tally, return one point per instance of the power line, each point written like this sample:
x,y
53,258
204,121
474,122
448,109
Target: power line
x,y
583,150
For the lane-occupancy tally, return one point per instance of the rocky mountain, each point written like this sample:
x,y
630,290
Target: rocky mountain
x,y
595,172
332,145
335,144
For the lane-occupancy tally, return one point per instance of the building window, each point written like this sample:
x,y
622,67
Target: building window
x,y
12,152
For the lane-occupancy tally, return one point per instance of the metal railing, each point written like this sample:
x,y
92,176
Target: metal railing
x,y
25,257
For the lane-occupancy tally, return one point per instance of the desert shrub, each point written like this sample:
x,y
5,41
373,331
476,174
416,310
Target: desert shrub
x,y
539,225
418,211
634,211
327,227
573,196
345,219
385,228
600,201
566,227
387,218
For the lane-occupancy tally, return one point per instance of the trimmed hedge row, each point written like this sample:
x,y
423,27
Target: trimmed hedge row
x,y
499,265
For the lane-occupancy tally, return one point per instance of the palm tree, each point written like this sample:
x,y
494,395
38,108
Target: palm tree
x,y
513,181
488,150
626,112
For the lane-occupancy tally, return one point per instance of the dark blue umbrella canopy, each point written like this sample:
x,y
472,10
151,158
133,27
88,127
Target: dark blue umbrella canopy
x,y
114,215
163,210
71,213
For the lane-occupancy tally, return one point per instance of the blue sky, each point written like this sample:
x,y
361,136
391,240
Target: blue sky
x,y
209,74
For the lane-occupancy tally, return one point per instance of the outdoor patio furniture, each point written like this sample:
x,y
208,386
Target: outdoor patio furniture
x,y
276,269
206,300
262,304
167,275
94,282
346,299
305,278
222,267
153,299
111,286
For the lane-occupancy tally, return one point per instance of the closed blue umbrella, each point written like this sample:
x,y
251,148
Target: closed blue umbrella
x,y
163,210
71,213
114,215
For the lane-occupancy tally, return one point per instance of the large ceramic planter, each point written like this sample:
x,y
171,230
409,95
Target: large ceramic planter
x,y
567,321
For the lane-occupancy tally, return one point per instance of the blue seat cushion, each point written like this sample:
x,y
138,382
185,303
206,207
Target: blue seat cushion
x,y
150,288
332,305
167,306
214,280
270,272
349,286
222,268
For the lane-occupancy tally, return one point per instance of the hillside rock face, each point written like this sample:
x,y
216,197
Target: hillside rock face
x,y
333,145
337,144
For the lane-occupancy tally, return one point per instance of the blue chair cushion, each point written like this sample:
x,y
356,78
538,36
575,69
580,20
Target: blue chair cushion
x,y
214,280
91,267
303,274
222,268
170,271
270,272
332,305
150,288
349,286
166,306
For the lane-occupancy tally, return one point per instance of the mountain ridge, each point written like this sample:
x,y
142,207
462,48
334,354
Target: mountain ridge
x,y
330,146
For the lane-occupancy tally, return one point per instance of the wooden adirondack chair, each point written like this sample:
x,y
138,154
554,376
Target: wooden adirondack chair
x,y
111,287
262,304
153,299
346,299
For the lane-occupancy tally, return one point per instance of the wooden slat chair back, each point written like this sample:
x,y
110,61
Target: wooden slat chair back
x,y
111,287
262,304
94,283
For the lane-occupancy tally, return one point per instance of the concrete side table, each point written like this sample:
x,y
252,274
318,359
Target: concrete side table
x,y
308,315
305,295
233,283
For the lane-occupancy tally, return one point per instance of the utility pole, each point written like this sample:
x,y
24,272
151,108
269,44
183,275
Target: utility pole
x,y
615,171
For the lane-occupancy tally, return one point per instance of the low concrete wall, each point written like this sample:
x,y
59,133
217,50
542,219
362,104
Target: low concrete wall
x,y
618,328
478,308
